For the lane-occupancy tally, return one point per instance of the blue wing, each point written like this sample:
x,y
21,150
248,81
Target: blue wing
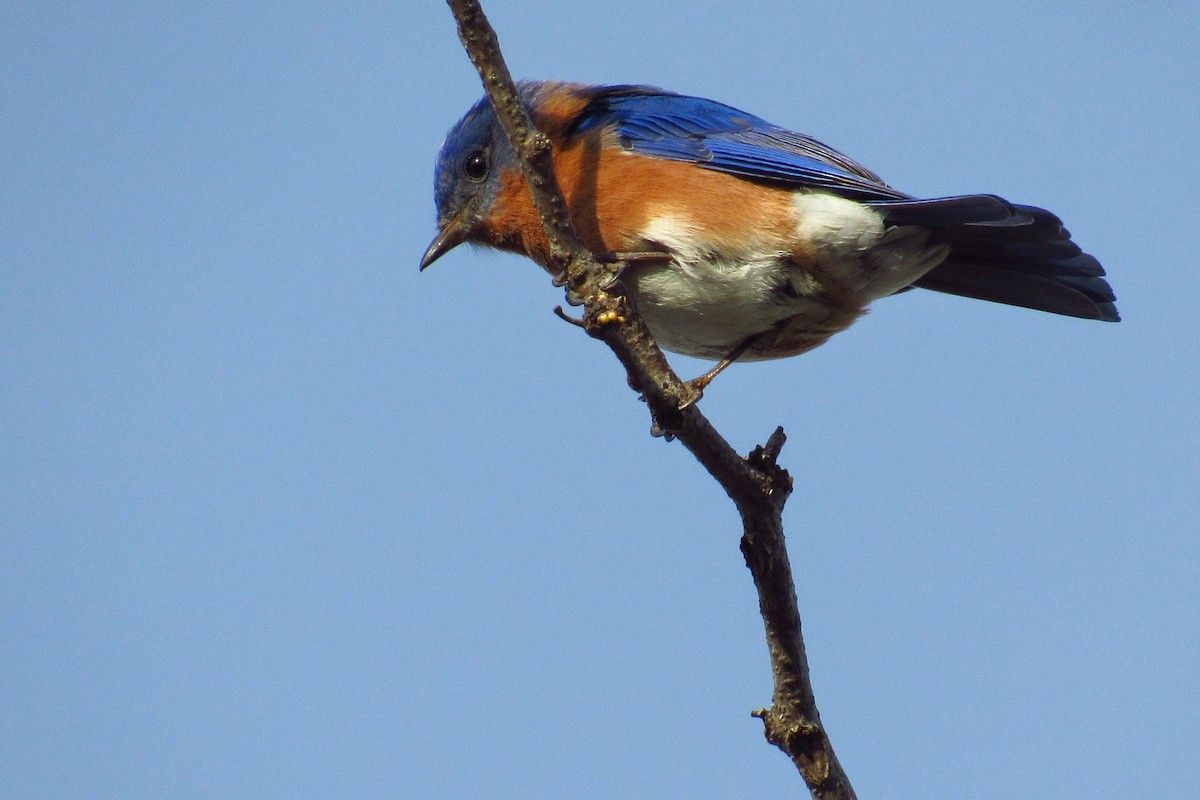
x,y
716,136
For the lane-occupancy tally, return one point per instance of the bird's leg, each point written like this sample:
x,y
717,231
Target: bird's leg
x,y
620,259
698,385
615,262
632,256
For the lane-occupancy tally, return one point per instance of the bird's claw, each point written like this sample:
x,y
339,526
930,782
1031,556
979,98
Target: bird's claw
x,y
659,432
695,392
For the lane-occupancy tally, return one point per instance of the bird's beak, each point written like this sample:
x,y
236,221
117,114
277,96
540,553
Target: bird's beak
x,y
451,235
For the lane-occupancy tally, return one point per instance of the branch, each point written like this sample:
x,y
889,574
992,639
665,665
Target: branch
x,y
568,255
756,484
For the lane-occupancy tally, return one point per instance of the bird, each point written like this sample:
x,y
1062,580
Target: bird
x,y
742,240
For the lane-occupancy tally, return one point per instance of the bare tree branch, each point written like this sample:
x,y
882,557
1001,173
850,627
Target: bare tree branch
x,y
758,486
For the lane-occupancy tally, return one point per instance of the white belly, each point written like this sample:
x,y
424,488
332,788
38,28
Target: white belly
x,y
711,296
705,308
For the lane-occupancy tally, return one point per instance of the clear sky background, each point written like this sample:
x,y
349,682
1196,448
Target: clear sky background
x,y
282,518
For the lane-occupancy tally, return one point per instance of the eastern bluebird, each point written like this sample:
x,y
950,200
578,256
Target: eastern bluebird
x,y
745,240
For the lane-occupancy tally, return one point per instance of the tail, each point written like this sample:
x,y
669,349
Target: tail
x,y
1006,253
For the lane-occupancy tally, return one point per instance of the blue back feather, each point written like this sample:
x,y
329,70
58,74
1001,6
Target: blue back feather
x,y
716,136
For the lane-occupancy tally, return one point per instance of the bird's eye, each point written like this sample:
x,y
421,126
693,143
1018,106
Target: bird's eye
x,y
476,166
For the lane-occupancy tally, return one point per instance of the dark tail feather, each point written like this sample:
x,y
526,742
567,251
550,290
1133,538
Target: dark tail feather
x,y
1013,254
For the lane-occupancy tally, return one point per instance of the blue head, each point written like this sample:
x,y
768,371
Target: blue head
x,y
467,177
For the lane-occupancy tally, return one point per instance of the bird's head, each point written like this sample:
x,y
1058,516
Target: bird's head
x,y
467,178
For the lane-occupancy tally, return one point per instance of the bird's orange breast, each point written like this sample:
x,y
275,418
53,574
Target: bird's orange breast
x,y
615,197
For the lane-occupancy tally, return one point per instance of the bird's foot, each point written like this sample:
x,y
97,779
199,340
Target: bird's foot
x,y
619,260
698,385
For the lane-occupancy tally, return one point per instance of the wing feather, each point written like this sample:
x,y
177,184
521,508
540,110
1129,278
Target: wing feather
x,y
715,136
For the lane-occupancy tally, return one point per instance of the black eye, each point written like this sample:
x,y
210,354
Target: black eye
x,y
476,166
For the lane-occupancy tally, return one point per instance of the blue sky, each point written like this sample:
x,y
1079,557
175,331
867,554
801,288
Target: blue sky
x,y
281,517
